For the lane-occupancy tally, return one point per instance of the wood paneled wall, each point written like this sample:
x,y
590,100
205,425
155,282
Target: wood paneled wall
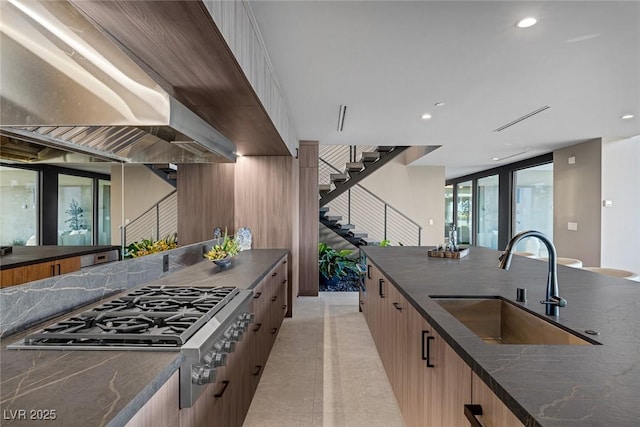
x,y
205,200
308,282
266,201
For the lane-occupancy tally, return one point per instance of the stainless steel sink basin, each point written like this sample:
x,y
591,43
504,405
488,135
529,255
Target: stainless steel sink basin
x,y
499,321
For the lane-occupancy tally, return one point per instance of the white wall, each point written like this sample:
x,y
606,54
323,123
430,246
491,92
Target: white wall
x,y
417,191
621,222
142,190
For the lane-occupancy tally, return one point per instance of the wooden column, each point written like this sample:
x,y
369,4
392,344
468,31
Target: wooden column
x,y
309,207
205,200
266,201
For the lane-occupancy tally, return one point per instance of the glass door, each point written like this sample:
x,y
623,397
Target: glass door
x,y
19,207
487,190
464,214
75,210
533,206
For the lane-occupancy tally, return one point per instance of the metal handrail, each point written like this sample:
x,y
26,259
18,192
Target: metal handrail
x,y
145,216
375,196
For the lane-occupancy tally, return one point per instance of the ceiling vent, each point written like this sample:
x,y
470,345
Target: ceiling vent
x,y
519,119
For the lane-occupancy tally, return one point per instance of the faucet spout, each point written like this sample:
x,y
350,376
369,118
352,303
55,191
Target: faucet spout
x,y
552,300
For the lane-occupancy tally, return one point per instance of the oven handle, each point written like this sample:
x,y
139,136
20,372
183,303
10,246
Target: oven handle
x,y
225,384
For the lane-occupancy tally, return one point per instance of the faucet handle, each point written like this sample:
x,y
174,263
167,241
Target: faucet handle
x,y
559,301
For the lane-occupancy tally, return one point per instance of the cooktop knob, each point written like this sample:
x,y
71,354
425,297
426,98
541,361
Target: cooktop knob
x,y
215,358
202,374
234,334
225,346
247,317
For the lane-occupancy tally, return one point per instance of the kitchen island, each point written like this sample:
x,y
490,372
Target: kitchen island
x,y
542,385
96,388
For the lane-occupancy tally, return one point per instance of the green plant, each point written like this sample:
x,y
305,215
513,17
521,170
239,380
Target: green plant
x,y
333,263
76,218
228,248
148,246
385,242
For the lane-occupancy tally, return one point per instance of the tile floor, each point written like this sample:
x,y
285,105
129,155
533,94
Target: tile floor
x,y
324,371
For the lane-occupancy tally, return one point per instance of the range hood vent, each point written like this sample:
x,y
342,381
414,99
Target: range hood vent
x,y
67,87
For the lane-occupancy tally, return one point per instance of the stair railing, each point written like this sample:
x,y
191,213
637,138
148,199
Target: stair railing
x,y
371,214
158,221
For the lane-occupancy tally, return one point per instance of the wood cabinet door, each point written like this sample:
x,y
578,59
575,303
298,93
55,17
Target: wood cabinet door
x,y
398,355
67,265
417,403
494,412
39,271
449,384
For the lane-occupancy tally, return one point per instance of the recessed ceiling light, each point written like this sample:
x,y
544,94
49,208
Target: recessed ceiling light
x,y
495,159
627,116
439,104
526,22
425,116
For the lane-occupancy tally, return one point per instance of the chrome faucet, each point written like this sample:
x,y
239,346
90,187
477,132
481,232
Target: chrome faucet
x,y
552,299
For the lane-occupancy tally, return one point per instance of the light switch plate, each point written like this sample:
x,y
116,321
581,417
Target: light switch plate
x,y
572,226
572,160
607,203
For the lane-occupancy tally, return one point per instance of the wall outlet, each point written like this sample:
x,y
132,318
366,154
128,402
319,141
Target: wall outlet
x,y
430,222
572,160
572,226
607,203
165,263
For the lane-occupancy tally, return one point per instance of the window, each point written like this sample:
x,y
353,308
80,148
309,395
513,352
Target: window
x,y
533,205
19,207
464,213
448,208
104,212
75,210
488,194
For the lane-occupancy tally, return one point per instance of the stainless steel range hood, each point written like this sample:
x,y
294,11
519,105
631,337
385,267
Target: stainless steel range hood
x,y
65,86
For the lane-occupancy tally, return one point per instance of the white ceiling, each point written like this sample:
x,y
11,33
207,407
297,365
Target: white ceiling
x,y
391,61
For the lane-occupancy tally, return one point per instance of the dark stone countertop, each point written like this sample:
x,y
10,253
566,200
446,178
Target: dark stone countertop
x,y
544,385
98,388
26,255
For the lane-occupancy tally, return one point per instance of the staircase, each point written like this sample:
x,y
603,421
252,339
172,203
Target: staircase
x,y
357,170
344,202
167,171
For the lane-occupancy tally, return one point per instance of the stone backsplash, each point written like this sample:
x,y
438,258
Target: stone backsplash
x,y
25,305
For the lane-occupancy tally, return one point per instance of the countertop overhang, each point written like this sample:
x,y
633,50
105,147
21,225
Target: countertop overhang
x,y
544,385
26,255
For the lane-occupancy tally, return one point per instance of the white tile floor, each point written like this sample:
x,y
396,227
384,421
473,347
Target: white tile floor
x,y
324,371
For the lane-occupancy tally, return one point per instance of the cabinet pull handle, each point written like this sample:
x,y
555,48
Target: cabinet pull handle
x,y
273,331
284,306
225,384
429,339
380,283
274,274
257,328
59,272
368,271
284,262
471,411
53,270
361,302
257,295
257,372
284,281
424,356
275,297
397,306
100,257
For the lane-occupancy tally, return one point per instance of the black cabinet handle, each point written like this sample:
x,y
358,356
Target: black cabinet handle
x,y
284,262
257,328
225,384
284,281
273,331
53,270
284,306
275,297
59,272
257,295
397,306
101,257
257,372
368,271
361,302
380,283
471,412
274,274
427,356
429,339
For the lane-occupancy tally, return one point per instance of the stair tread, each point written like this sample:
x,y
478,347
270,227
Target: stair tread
x,y
346,226
338,177
354,167
371,156
370,241
324,188
324,209
360,234
333,217
385,148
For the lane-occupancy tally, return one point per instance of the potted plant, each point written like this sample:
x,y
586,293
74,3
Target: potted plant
x,y
148,246
222,253
334,265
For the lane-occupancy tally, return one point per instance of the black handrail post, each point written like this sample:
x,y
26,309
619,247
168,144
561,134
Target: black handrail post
x,y
385,221
158,221
419,235
349,206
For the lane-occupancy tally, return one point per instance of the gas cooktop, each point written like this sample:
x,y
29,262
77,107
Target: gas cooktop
x,y
158,317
